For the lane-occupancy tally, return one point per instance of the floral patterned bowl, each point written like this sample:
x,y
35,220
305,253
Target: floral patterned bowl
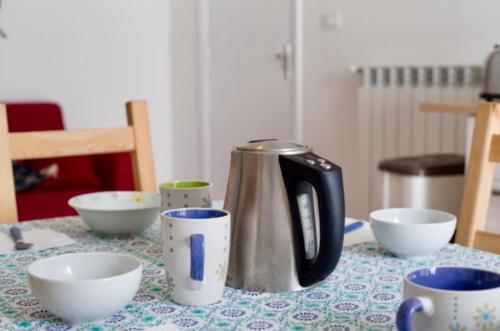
x,y
118,212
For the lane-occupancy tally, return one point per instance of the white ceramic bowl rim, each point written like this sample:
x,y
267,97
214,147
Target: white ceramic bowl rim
x,y
135,263
444,216
83,201
220,214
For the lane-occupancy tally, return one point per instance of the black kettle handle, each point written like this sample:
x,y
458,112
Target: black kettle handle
x,y
326,178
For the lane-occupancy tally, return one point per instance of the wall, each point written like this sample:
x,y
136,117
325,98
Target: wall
x,y
373,33
185,113
91,57
380,33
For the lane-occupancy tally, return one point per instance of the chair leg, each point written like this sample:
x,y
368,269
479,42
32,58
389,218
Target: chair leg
x,y
479,177
8,207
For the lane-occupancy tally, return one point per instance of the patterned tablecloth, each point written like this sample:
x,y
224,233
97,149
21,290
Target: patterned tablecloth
x,y
363,293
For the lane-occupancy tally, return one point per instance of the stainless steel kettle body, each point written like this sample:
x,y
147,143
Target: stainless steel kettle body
x,y
276,243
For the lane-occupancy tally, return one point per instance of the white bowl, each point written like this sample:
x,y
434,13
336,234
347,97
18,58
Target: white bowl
x,y
408,232
118,212
85,286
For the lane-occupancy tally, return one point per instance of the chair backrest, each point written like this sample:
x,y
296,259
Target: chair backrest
x,y
484,153
135,138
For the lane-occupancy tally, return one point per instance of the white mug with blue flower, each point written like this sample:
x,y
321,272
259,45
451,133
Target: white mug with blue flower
x,y
196,253
451,299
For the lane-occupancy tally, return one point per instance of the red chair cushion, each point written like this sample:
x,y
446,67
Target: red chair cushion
x,y
48,200
37,205
74,172
115,171
23,117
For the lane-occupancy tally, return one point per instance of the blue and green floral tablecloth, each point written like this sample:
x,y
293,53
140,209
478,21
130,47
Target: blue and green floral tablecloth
x,y
363,293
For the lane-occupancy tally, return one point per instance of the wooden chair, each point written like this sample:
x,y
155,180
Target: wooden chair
x,y
485,152
134,138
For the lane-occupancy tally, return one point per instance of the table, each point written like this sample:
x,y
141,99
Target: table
x,y
363,293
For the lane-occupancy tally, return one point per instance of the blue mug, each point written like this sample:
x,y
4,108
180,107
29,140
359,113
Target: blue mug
x,y
450,298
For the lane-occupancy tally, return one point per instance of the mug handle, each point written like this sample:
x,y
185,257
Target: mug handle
x,y
197,244
409,307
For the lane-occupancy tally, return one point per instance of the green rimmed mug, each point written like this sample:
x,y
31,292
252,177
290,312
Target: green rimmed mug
x,y
185,194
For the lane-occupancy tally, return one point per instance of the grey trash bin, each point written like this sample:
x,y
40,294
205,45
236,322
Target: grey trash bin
x,y
427,181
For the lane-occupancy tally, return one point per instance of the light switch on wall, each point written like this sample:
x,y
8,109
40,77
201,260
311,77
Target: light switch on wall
x,y
332,21
2,33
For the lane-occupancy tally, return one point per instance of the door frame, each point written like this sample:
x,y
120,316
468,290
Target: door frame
x,y
296,27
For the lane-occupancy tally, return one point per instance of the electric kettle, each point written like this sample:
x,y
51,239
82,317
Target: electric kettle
x,y
491,88
277,241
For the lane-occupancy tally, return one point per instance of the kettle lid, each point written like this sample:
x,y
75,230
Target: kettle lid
x,y
273,146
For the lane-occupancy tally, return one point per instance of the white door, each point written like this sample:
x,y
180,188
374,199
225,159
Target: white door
x,y
250,83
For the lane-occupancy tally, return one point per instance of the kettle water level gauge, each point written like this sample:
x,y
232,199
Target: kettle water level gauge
x,y
308,226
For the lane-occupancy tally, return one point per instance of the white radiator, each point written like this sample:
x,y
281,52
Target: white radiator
x,y
391,124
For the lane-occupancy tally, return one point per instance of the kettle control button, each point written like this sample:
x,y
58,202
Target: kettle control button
x,y
326,166
321,160
311,162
